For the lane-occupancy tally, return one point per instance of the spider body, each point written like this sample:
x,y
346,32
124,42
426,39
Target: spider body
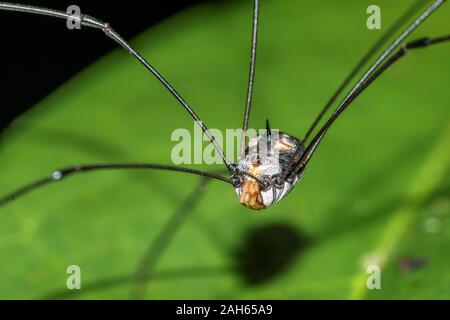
x,y
266,158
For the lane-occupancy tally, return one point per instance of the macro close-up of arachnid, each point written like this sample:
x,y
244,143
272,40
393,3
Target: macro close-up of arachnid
x,y
276,150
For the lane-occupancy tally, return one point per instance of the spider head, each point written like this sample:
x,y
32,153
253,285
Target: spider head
x,y
258,179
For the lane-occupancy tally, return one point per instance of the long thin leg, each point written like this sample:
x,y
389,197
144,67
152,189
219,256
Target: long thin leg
x,y
65,172
421,43
147,266
389,33
298,168
251,76
92,22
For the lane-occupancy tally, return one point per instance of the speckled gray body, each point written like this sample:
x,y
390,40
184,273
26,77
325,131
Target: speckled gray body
x,y
267,163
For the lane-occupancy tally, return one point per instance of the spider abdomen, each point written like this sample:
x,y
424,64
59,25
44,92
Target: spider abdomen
x,y
267,158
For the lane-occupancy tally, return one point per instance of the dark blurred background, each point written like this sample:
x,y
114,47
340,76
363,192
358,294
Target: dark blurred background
x,y
39,54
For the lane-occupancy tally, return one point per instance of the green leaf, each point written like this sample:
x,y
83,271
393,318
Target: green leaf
x,y
376,191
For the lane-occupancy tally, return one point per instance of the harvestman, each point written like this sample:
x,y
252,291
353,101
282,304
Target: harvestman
x,y
258,181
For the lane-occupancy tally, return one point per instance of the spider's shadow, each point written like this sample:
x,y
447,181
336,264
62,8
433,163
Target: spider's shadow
x,y
268,251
